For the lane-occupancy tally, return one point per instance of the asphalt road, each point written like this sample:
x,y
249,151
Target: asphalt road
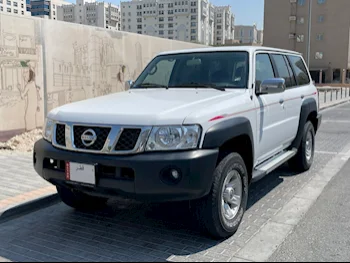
x,y
324,233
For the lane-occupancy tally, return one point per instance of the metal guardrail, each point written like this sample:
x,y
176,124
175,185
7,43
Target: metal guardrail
x,y
327,95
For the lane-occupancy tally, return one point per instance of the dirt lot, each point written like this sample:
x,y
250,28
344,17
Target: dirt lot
x,y
23,142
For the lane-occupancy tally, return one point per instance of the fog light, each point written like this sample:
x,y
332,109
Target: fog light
x,y
171,175
175,174
52,161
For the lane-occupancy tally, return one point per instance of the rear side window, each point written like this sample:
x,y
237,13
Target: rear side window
x,y
300,71
282,70
263,69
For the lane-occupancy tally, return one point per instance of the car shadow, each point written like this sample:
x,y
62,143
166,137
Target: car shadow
x,y
125,230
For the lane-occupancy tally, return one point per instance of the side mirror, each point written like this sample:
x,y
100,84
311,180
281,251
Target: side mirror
x,y
272,86
128,84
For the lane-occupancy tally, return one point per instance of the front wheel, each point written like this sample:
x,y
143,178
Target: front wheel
x,y
221,212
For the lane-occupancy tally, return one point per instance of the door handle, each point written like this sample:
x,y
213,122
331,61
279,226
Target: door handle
x,y
281,101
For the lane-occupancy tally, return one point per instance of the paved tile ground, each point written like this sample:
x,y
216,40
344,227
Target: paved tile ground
x,y
131,231
19,183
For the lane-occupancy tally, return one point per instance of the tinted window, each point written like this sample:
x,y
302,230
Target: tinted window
x,y
300,71
263,69
292,78
282,69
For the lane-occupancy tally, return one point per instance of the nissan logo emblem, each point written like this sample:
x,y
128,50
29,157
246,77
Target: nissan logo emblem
x,y
89,137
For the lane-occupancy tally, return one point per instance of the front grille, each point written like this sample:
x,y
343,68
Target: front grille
x,y
101,133
128,140
60,134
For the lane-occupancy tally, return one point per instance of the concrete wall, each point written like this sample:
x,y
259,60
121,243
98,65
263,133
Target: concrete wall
x,y
46,63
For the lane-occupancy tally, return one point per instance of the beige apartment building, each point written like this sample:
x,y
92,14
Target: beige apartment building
x,y
248,34
286,26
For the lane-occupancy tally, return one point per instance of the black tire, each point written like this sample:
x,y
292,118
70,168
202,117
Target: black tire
x,y
301,162
79,200
208,209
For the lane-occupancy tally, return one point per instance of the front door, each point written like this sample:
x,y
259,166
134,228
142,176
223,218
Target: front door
x,y
270,112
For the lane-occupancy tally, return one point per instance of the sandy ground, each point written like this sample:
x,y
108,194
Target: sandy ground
x,y
23,142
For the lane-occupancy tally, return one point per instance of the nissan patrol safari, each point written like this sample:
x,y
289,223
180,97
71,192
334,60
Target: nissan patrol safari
x,y
197,125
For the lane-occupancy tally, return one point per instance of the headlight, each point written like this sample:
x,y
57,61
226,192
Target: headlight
x,y
48,129
167,138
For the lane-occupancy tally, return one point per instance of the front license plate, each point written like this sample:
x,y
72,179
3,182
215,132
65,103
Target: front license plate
x,y
81,173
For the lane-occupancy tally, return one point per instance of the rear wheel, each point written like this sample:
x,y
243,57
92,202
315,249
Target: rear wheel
x,y
79,200
221,212
304,158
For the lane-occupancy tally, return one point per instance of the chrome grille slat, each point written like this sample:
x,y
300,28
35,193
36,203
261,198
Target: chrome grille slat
x,y
110,143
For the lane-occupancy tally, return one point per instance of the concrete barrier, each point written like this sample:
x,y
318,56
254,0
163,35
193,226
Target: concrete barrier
x,y
48,63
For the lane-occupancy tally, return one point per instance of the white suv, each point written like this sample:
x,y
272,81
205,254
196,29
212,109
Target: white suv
x,y
197,124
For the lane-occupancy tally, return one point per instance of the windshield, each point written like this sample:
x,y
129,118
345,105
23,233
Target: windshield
x,y
204,70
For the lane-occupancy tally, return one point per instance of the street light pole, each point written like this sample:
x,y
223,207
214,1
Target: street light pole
x,y
309,34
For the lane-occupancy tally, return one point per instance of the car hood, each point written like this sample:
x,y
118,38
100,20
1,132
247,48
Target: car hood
x,y
142,107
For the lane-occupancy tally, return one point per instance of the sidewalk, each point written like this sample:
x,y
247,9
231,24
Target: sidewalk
x,y
19,182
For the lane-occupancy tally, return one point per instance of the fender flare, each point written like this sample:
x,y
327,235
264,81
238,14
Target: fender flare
x,y
309,105
218,134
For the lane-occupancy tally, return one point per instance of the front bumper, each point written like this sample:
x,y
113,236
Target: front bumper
x,y
134,176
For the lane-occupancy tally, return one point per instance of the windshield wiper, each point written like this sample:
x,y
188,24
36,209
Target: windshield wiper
x,y
151,85
200,85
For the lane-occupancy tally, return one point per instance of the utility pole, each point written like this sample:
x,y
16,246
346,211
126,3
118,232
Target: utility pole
x,y
309,34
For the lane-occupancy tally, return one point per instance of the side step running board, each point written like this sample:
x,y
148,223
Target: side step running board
x,y
267,167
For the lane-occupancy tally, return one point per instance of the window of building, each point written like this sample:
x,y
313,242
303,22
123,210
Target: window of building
x,y
263,69
242,33
193,24
139,32
218,27
319,37
9,10
139,26
170,12
193,31
301,2
193,17
321,1
8,2
170,32
15,11
300,71
319,55
170,19
15,4
193,38
320,18
1,8
282,69
161,32
301,20
161,12
161,19
139,20
22,5
300,38
161,26
170,25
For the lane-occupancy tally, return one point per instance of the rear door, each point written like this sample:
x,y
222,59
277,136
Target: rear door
x,y
292,98
297,94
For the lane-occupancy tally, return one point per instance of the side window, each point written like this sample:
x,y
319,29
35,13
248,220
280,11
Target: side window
x,y
282,69
292,78
161,73
300,70
263,69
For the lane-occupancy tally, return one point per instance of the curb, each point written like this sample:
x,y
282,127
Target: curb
x,y
28,207
333,105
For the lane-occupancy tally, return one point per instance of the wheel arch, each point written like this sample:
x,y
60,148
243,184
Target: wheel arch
x,y
308,113
232,135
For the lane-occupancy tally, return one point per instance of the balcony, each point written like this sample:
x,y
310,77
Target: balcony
x,y
204,6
